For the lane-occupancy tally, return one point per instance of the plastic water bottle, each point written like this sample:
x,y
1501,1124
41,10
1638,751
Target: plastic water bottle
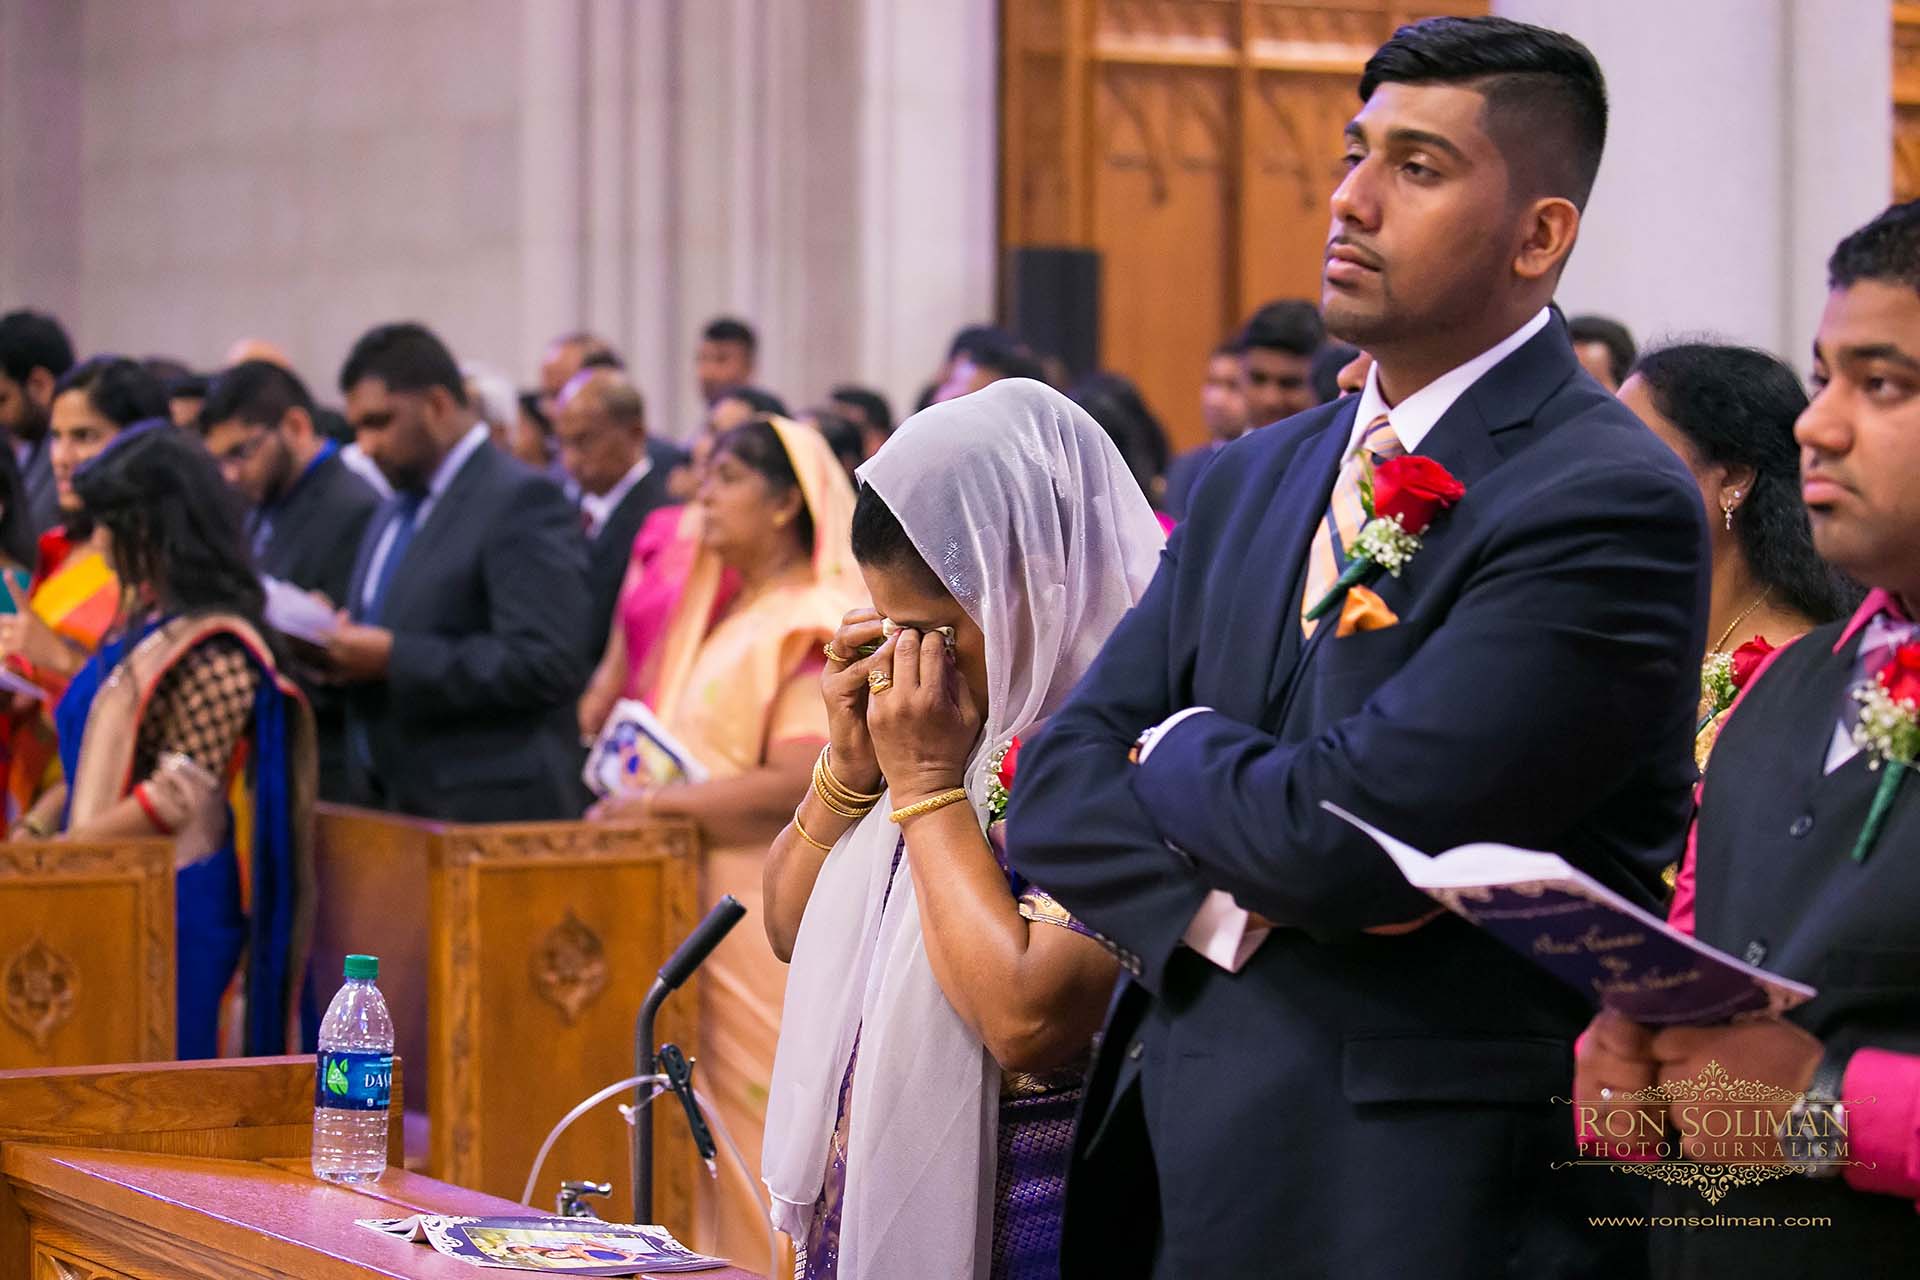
x,y
353,1086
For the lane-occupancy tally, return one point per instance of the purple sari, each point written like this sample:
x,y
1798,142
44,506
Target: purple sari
x,y
1035,1142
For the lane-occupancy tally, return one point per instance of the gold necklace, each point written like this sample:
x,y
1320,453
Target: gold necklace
x,y
1731,626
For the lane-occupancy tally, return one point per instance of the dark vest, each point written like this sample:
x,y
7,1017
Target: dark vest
x,y
1778,887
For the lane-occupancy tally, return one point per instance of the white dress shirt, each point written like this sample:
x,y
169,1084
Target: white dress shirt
x,y
598,508
1222,930
443,475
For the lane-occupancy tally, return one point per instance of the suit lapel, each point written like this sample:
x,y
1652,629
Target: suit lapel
x,y
440,522
1270,603
1472,437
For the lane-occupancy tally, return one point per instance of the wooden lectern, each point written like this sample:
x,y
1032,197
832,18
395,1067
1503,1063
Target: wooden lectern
x,y
513,957
86,952
200,1169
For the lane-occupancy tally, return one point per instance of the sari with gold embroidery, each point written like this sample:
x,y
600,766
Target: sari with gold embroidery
x,y
727,690
243,885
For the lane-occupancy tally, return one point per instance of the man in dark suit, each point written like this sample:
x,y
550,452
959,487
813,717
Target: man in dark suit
x,y
464,637
601,428
307,510
34,355
1223,407
1311,1071
1783,872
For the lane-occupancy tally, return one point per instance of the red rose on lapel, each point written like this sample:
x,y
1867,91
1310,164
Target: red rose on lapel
x,y
1415,489
1747,659
1901,676
1008,763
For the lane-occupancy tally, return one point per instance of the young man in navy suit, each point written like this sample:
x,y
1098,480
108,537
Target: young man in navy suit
x,y
1310,1073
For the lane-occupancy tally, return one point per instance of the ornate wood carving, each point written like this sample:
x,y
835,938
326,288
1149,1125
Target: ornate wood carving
x,y
53,1264
569,967
38,987
1194,143
1906,101
75,891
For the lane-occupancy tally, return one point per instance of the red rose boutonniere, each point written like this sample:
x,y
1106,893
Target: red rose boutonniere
x,y
1000,781
1725,674
1889,732
1401,498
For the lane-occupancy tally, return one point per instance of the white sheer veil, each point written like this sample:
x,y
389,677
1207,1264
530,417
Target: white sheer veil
x,y
1026,511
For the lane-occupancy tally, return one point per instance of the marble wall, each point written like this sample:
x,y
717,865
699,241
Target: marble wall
x,y
1747,137
175,174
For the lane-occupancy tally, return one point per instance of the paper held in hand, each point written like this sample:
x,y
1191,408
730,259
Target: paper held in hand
x,y
292,612
1574,927
561,1246
635,752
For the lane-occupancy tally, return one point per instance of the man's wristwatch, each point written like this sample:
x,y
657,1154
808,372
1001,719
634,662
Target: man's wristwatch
x,y
1813,1136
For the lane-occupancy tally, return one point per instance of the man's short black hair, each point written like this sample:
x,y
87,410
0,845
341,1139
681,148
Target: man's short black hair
x,y
1611,334
1546,99
256,392
729,329
32,340
407,357
1289,325
1886,249
873,406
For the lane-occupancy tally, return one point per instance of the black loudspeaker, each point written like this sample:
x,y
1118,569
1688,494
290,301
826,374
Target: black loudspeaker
x,y
1050,298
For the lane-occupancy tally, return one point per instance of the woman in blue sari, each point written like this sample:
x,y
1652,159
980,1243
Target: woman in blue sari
x,y
182,726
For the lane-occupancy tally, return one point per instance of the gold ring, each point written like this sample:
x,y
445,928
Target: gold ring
x,y
833,655
879,681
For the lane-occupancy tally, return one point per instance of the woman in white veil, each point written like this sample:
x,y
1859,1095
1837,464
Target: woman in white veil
x,y
939,1010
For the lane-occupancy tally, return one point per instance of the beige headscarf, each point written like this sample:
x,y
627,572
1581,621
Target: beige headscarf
x,y
802,614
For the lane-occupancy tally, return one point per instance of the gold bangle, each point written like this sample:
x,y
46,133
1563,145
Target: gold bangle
x,y
928,805
841,789
802,832
821,789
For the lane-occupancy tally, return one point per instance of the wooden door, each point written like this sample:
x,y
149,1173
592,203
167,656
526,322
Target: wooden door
x,y
1194,144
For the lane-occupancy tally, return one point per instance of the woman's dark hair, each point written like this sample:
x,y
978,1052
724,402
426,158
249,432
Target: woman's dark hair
x,y
1737,406
758,445
755,399
120,390
842,435
881,542
1116,404
175,524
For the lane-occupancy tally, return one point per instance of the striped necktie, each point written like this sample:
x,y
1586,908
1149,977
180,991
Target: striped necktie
x,y
1327,559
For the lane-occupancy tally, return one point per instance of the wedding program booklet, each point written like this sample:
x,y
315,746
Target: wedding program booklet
x,y
634,751
567,1246
1587,935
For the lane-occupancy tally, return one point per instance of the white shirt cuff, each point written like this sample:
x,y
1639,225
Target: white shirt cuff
x,y
1151,737
1223,931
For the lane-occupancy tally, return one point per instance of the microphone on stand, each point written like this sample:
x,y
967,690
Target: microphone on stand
x,y
680,966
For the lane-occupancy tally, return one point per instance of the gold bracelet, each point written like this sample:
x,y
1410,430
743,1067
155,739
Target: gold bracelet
x,y
846,809
928,805
840,789
802,831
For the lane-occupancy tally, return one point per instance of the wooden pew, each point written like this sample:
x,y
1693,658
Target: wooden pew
x,y
513,958
148,1173
86,952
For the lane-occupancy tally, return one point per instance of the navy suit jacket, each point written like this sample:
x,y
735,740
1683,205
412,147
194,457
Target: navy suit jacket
x,y
1370,1104
475,721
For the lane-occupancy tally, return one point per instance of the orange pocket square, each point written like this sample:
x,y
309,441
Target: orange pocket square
x,y
1362,610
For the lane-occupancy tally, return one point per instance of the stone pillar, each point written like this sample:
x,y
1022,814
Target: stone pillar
x,y
1746,136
